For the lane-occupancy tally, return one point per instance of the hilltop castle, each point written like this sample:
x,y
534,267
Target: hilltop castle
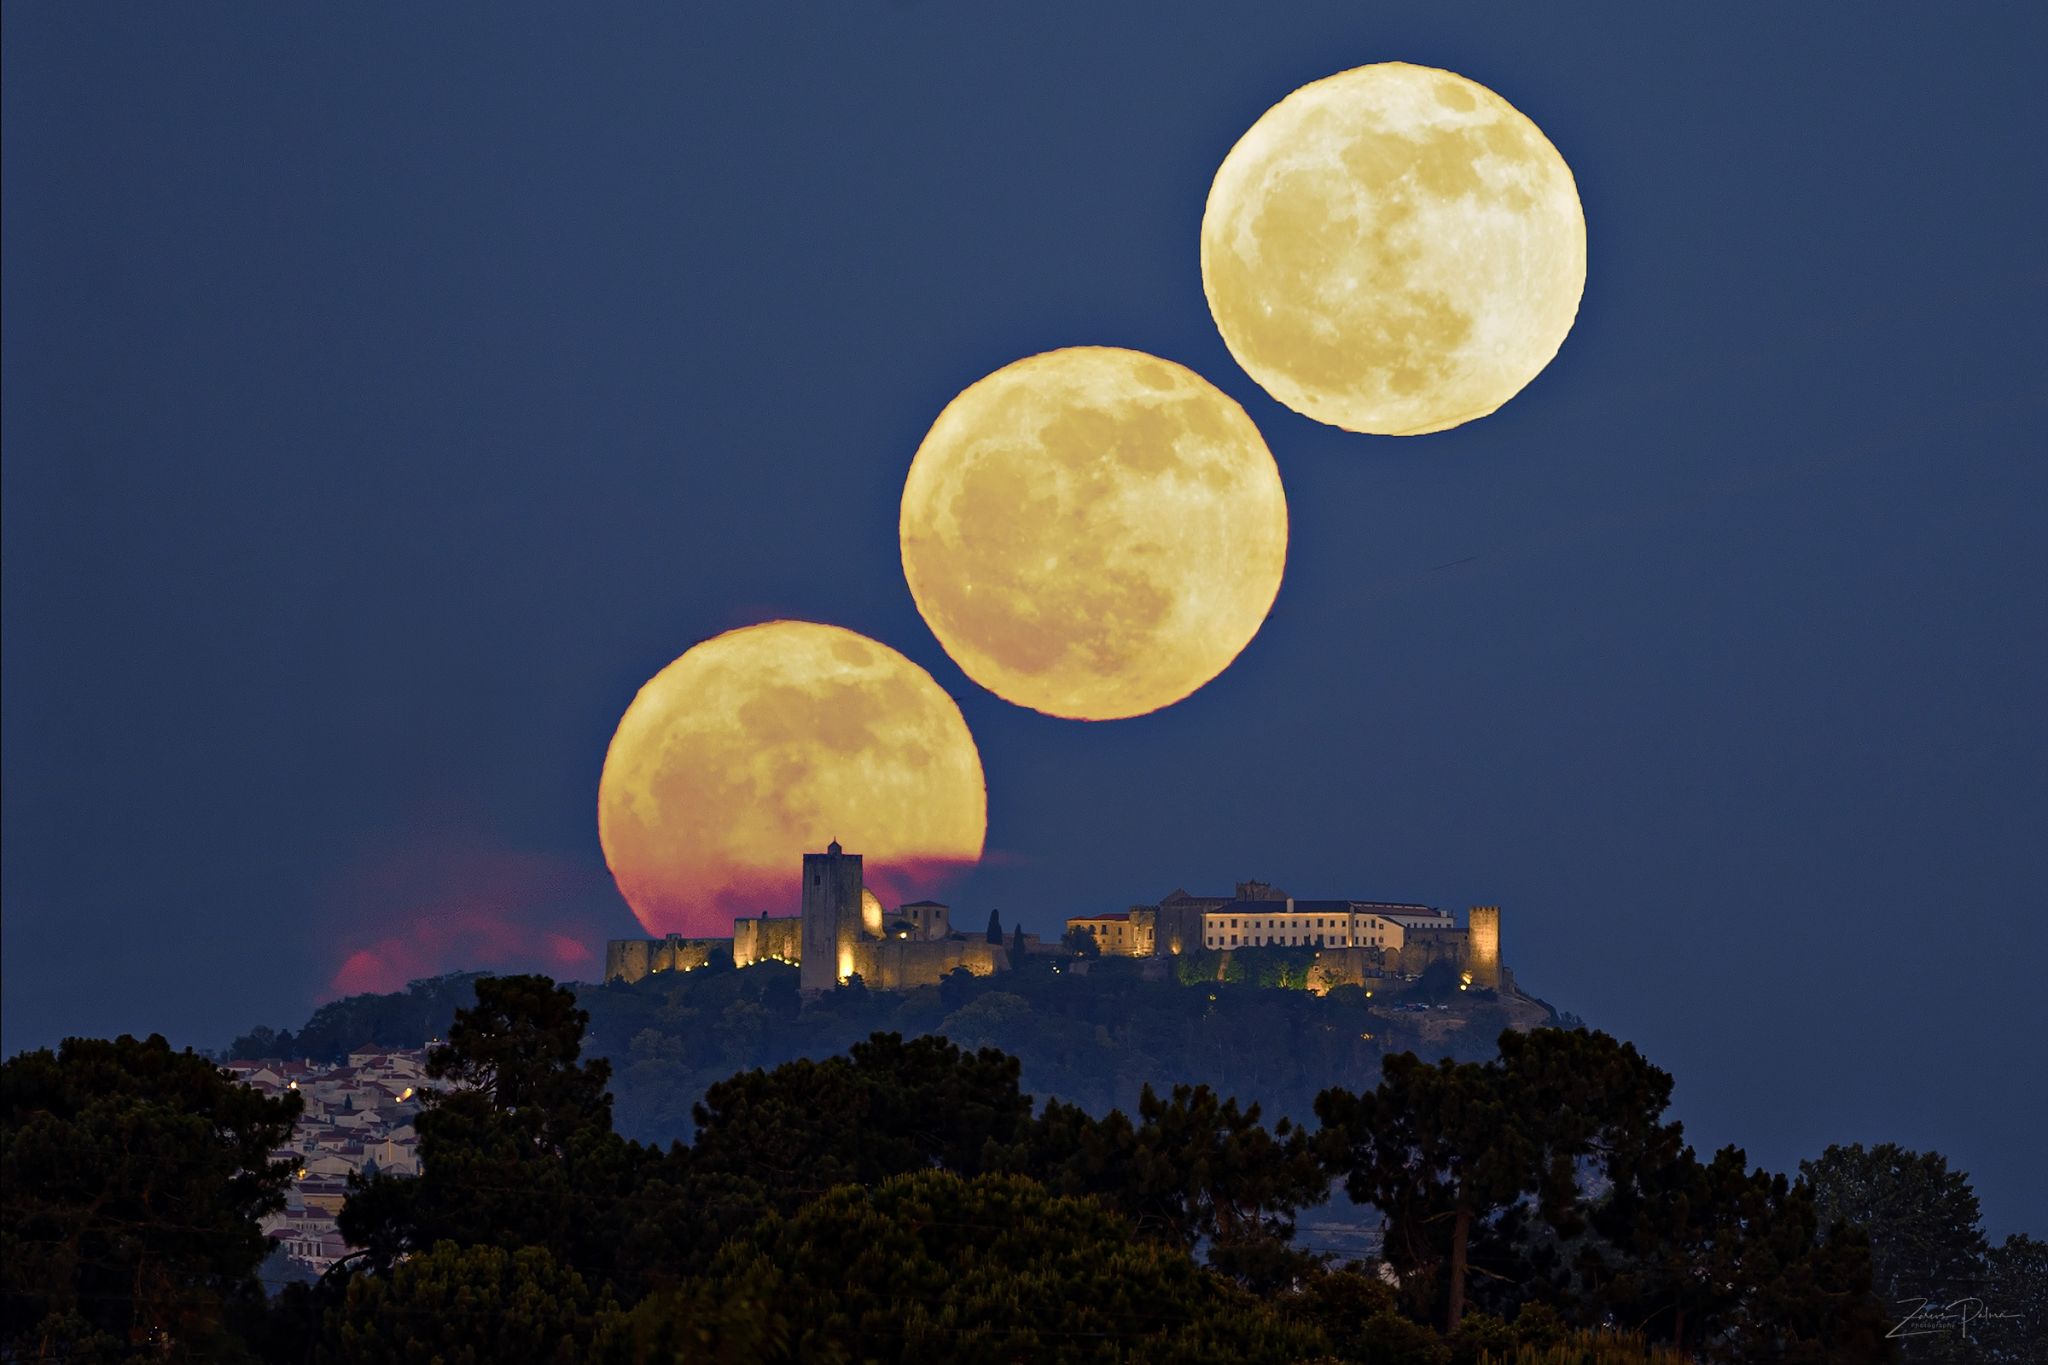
x,y
843,931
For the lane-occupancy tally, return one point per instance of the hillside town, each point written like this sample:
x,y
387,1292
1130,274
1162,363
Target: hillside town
x,y
358,1118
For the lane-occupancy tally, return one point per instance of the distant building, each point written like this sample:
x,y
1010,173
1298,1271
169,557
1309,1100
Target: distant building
x,y
356,1117
1320,924
1356,940
1115,935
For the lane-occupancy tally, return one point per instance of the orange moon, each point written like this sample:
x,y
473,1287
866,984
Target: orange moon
x,y
763,743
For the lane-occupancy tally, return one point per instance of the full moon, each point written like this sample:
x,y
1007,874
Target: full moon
x,y
1394,250
762,744
1093,533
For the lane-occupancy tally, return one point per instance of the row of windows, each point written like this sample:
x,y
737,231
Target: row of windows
x,y
1300,922
1299,940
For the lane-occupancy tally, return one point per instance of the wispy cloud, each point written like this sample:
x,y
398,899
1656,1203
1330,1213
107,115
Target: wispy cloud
x,y
439,900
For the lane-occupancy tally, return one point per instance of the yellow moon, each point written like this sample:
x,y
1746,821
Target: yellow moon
x,y
1093,532
1394,249
764,743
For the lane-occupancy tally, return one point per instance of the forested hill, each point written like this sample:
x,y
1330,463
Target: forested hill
x,y
1092,1033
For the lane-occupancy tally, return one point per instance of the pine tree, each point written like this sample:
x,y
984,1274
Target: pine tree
x,y
134,1179
995,926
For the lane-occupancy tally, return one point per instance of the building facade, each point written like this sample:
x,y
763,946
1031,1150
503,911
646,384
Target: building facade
x,y
1318,924
1359,940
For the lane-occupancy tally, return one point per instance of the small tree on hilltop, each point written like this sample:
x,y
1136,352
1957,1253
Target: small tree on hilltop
x,y
995,926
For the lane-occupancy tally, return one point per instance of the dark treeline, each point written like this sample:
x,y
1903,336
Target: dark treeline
x,y
1093,1038
910,1201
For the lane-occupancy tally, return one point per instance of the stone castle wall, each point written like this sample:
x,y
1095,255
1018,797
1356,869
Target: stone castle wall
x,y
632,959
1478,955
1348,967
1422,948
903,964
761,939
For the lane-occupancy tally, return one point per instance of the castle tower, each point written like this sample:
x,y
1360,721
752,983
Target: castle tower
x,y
831,917
1483,932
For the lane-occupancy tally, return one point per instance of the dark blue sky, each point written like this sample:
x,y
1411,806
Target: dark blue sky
x,y
389,392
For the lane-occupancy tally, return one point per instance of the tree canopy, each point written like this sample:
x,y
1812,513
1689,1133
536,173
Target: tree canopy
x,y
908,1198
134,1177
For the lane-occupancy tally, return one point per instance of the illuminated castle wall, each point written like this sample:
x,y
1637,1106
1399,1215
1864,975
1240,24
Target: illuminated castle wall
x,y
766,940
831,917
629,959
842,932
1357,942
1483,933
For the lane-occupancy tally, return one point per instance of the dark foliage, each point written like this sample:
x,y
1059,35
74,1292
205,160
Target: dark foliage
x,y
1551,1173
1194,1169
1921,1218
887,1108
907,1199
2015,1300
1093,1038
456,1305
133,1179
937,1266
519,1151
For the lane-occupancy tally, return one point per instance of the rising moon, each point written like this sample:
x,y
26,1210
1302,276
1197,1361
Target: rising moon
x,y
761,744
1093,533
1394,250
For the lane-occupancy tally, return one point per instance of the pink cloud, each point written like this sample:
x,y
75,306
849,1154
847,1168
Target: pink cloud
x,y
443,900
